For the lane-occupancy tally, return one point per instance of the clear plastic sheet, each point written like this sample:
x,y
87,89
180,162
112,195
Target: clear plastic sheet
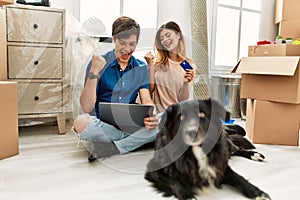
x,y
80,48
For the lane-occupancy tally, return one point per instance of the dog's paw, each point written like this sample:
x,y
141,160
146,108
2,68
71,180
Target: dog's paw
x,y
257,156
263,197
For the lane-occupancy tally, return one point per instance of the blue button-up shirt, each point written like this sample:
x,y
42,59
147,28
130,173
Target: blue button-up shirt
x,y
118,86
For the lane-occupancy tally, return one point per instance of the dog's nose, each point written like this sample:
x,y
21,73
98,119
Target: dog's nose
x,y
193,134
192,131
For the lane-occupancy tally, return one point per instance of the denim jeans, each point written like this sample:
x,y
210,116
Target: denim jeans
x,y
98,131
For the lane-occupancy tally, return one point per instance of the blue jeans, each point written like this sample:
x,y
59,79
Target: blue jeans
x,y
98,131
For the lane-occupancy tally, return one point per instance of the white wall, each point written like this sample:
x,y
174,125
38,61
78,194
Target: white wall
x,y
166,11
179,11
269,30
71,6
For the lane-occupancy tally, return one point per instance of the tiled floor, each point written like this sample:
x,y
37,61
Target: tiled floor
x,y
52,166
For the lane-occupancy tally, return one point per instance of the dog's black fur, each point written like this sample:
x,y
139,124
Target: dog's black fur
x,y
192,151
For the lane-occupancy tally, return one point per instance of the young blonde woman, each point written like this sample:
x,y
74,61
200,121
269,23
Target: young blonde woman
x,y
169,82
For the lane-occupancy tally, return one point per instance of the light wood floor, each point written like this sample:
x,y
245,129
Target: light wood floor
x,y
52,166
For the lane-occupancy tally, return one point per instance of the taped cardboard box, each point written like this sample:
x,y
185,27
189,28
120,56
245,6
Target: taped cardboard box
x,y
273,122
6,2
286,10
270,78
9,142
3,64
274,50
290,28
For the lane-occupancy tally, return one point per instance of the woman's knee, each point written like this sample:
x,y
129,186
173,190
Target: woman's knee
x,y
81,122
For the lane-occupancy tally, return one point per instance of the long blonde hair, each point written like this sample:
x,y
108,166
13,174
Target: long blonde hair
x,y
162,54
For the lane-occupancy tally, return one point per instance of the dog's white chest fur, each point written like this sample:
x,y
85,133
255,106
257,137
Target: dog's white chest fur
x,y
205,170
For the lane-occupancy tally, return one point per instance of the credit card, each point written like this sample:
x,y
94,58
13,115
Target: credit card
x,y
186,65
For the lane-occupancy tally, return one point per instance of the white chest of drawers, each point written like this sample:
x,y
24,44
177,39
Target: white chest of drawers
x,y
35,38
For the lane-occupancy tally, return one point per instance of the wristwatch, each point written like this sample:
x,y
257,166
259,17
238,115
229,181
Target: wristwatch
x,y
93,76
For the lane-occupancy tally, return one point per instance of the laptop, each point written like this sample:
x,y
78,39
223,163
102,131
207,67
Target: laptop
x,y
126,117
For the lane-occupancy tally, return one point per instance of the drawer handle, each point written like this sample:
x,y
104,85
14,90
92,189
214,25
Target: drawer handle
x,y
36,98
35,26
36,62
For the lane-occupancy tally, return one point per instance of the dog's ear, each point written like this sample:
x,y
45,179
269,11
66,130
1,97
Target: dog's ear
x,y
216,109
162,120
217,113
171,112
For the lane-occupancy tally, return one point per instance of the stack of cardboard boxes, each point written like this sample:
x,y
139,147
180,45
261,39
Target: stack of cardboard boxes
x,y
287,15
271,83
9,144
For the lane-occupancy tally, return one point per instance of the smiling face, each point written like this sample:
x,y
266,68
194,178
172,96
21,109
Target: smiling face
x,y
124,47
125,34
169,39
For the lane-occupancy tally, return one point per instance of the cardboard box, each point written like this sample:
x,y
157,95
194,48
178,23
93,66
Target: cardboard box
x,y
6,2
274,50
270,78
9,142
286,10
290,28
273,123
3,60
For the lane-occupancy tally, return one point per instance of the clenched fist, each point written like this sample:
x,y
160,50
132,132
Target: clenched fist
x,y
149,58
98,63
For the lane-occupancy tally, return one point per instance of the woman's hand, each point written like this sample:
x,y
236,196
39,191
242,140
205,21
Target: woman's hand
x,y
151,122
189,75
149,58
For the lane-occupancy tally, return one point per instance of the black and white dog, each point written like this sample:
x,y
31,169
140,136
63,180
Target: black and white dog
x,y
192,151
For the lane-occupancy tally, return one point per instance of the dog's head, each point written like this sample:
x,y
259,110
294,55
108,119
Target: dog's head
x,y
197,121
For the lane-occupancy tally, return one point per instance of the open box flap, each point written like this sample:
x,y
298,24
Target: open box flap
x,y
285,66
